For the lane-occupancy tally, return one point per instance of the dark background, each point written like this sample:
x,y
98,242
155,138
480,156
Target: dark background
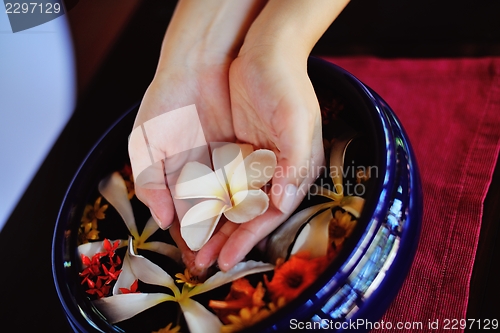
x,y
117,44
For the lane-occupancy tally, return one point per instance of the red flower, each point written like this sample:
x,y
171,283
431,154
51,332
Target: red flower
x,y
101,270
133,288
242,295
294,276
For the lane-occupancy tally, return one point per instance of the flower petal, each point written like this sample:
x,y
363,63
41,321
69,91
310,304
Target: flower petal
x,y
226,159
166,249
279,241
197,180
124,306
149,229
247,205
199,222
239,270
337,154
126,277
324,192
255,171
148,272
198,318
313,238
353,205
114,189
91,249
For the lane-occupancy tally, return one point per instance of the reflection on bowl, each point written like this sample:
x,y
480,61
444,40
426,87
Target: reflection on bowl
x,y
370,261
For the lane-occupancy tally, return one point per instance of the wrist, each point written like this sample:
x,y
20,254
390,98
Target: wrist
x,y
206,33
292,26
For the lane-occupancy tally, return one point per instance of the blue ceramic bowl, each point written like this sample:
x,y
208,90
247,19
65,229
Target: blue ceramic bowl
x,y
358,287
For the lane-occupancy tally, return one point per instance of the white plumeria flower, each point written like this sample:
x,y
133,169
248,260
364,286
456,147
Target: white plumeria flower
x,y
314,236
114,190
233,189
120,307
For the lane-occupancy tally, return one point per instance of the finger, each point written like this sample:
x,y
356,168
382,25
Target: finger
x,y
210,251
247,235
160,204
299,140
188,256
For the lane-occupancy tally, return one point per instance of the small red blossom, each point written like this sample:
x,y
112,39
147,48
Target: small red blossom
x,y
110,274
133,288
99,289
101,270
110,247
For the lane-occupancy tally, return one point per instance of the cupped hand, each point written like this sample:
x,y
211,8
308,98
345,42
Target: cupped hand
x,y
274,106
207,88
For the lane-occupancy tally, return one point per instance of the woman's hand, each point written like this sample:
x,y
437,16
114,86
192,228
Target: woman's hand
x,y
202,40
274,106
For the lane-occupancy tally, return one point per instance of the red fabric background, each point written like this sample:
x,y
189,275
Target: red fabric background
x,y
450,109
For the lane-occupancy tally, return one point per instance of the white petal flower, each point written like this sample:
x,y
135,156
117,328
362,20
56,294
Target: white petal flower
x,y
314,236
114,190
232,189
120,307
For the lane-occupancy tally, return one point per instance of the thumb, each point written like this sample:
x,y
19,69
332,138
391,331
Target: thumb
x,y
300,159
291,172
151,189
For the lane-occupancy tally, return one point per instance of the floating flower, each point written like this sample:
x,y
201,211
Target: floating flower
x,y
341,227
312,225
249,316
88,228
294,276
169,329
133,288
233,189
114,190
187,278
362,175
126,173
93,213
101,270
120,307
241,295
246,317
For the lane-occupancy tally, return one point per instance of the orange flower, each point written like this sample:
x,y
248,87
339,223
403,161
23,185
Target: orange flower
x,y
242,295
293,276
246,317
88,228
362,175
189,280
249,316
126,173
341,227
93,213
169,329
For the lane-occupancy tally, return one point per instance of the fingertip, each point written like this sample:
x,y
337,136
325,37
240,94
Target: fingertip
x,y
236,248
209,253
285,200
227,260
225,266
163,224
160,205
204,260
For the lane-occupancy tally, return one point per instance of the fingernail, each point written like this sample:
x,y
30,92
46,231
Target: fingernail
x,y
288,198
158,221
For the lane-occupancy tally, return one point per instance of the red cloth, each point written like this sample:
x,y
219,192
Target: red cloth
x,y
450,109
